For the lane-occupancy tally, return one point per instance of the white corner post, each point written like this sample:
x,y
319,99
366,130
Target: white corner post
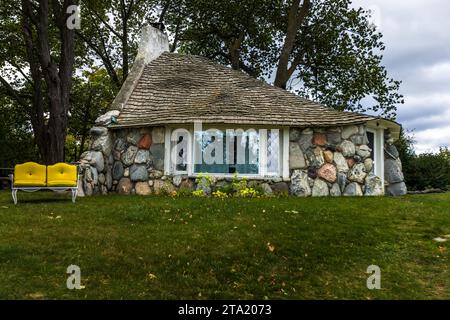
x,y
285,166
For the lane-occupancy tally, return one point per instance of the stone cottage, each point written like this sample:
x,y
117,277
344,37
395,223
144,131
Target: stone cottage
x,y
178,116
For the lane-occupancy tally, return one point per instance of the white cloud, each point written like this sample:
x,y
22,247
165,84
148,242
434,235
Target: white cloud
x,y
417,52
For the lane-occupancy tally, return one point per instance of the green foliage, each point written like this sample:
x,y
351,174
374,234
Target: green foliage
x,y
429,170
423,171
337,56
16,138
341,54
93,94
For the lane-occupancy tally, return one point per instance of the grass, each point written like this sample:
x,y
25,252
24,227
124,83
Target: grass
x,y
131,247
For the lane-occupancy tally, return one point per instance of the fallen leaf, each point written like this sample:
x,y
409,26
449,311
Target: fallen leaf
x,y
439,239
36,295
151,276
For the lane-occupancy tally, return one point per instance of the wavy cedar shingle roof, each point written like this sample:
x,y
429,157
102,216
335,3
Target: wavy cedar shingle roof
x,y
176,88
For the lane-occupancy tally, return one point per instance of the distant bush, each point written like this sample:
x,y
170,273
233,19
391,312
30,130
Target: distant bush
x,y
429,170
424,171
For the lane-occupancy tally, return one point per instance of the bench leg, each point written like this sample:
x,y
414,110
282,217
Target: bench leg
x,y
74,194
14,195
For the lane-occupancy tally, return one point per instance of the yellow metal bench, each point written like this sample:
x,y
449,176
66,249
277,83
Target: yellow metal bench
x,y
31,176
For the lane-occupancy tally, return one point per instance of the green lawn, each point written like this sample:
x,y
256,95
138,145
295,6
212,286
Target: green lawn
x,y
191,248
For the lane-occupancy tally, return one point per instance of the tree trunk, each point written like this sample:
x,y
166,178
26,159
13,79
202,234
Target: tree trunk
x,y
50,137
296,15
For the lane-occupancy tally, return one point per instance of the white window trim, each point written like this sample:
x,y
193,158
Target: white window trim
x,y
283,161
378,152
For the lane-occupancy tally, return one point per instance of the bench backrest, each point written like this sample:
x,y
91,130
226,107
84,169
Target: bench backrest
x,y
62,174
30,171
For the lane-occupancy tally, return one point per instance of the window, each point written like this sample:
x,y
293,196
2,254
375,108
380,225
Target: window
x,y
371,145
249,152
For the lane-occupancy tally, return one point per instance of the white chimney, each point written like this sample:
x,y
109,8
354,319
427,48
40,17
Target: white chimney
x,y
152,44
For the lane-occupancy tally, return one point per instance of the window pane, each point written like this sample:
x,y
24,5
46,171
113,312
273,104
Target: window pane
x,y
214,145
273,151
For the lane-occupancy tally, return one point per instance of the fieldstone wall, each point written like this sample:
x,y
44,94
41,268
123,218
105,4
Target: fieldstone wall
x,y
323,162
332,162
393,175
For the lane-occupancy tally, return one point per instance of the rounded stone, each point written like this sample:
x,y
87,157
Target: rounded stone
x,y
319,139
328,173
392,171
142,157
347,148
294,134
368,164
320,188
128,156
363,151
335,190
138,173
99,131
296,157
353,190
349,131
340,162
374,186
328,156
357,173
124,186
145,142
142,189
299,184
177,180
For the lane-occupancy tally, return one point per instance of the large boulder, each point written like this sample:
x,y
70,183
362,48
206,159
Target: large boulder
x,y
145,142
328,173
363,151
103,144
117,170
347,148
397,189
128,156
374,186
158,135
391,151
142,189
294,134
163,187
124,186
105,119
138,173
305,140
157,156
335,190
142,157
349,131
280,188
99,131
299,184
320,188
341,163
357,173
353,190
319,139
296,157
392,171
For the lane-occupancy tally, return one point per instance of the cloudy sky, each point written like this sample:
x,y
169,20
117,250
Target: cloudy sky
x,y
417,37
